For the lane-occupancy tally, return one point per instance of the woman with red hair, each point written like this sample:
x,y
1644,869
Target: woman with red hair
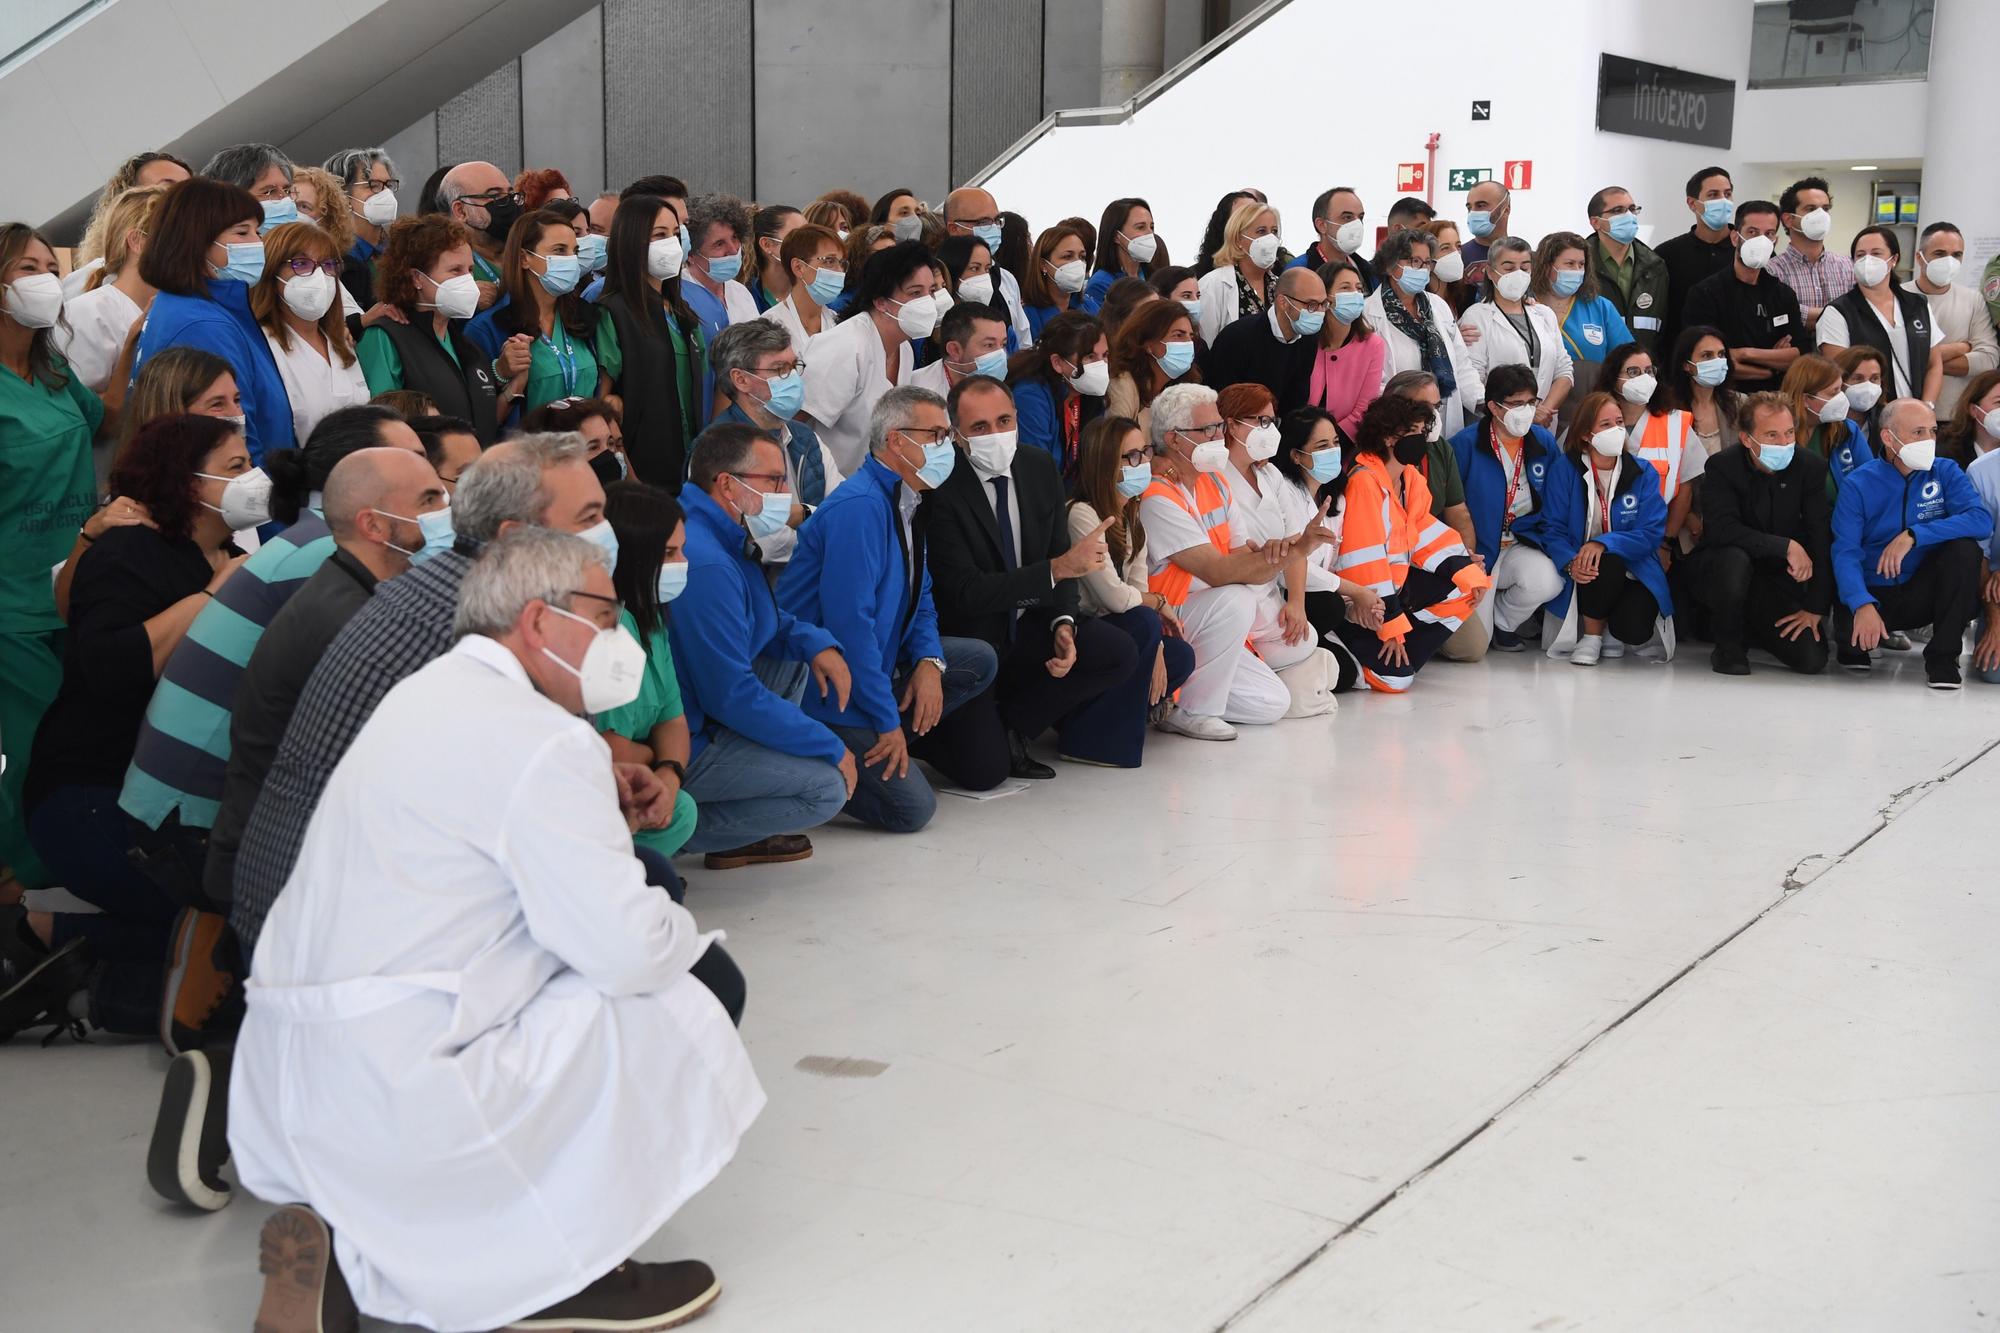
x,y
540,185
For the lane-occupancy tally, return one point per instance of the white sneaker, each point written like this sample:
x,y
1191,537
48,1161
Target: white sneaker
x,y
1613,647
1589,648
1183,723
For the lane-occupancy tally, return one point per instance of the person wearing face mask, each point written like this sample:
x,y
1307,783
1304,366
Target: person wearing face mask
x,y
1663,436
599,423
1823,424
1060,386
860,570
1155,350
763,378
662,354
1489,213
1974,429
137,590
551,1183
203,256
1508,463
971,278
817,265
1632,276
1309,465
1280,350
1448,266
1339,222
265,171
1891,319
1127,247
425,272
1004,570
369,177
1348,354
297,303
1603,526
479,197
851,365
1418,331
1696,381
1516,331
1864,371
974,212
1706,249
1961,328
91,335
1762,569
1591,325
1818,275
1244,277
1758,315
719,229
971,340
1438,465
901,212
544,340
1056,277
1909,530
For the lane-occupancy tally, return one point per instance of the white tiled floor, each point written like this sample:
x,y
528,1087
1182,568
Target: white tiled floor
x,y
1155,1040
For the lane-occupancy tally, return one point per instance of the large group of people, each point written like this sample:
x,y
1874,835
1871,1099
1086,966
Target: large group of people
x,y
389,596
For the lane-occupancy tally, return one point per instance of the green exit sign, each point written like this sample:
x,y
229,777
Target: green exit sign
x,y
1464,178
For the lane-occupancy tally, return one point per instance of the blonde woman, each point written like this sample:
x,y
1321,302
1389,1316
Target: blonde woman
x,y
97,322
1245,272
297,303
139,169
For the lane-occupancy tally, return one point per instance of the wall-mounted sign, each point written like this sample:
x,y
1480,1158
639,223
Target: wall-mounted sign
x,y
1482,110
1460,179
1661,102
1409,176
1517,175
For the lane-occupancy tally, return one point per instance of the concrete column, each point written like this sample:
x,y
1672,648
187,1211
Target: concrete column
x,y
1134,39
1960,185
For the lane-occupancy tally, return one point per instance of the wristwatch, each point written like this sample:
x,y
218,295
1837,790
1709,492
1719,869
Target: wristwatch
x,y
937,662
680,773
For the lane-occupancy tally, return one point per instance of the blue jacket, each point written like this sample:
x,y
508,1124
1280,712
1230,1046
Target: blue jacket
x,y
1100,282
851,573
1038,416
1040,315
1486,485
221,323
1593,328
1877,502
1638,525
724,622
1847,453
483,329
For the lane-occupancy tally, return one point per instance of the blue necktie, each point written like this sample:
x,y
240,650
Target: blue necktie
x,y
1006,520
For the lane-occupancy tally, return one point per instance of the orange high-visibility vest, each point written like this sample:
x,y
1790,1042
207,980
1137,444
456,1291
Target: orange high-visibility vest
x,y
1210,510
1383,535
1660,442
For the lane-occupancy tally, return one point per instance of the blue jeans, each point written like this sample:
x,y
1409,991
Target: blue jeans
x,y
746,792
905,804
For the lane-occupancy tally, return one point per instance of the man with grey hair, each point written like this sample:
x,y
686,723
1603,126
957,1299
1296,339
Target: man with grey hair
x,y
369,177
760,770
479,195
1277,351
859,570
265,171
718,225
762,377
466,916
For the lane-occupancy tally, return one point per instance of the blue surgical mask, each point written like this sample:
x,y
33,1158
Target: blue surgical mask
x,y
1178,357
826,284
1624,228
1193,307
1716,213
1479,222
593,251
990,234
1308,322
773,518
246,261
1711,372
1413,280
561,274
277,212
993,363
1325,464
939,459
603,538
1347,306
1568,280
437,530
724,268
686,249
673,580
788,395
1776,457
1134,478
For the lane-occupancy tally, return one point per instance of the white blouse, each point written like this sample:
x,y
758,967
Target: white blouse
x,y
99,321
1404,354
847,372
1501,344
316,386
786,316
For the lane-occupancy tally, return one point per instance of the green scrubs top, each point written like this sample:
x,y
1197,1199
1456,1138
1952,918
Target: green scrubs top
x,y
659,701
47,489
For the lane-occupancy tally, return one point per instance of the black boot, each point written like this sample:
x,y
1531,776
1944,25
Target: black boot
x,y
1022,765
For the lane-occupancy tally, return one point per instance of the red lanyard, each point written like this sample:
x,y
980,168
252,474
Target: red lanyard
x,y
1513,479
1604,499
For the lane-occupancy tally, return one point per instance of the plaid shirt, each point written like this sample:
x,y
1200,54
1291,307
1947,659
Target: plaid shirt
x,y
405,625
1818,282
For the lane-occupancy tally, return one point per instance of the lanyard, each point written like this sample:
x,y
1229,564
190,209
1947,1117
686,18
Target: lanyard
x,y
1513,478
1604,500
565,355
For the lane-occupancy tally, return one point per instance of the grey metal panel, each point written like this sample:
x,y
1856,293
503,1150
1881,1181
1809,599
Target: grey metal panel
x,y
996,78
678,76
483,123
1072,55
415,153
562,104
854,94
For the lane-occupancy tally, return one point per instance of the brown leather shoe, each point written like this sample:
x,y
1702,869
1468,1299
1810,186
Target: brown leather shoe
x,y
197,991
631,1298
303,1289
774,850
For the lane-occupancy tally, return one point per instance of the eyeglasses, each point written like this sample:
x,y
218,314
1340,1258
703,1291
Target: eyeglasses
x,y
1257,421
300,266
1132,457
374,187
493,197
270,194
1311,307
1202,434
778,372
1634,372
774,478
1621,211
970,223
926,434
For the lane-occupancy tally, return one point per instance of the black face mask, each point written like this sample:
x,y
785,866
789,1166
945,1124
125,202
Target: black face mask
x,y
1410,450
609,467
501,215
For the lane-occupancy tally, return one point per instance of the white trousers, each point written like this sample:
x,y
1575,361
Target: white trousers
x,y
1229,680
1523,582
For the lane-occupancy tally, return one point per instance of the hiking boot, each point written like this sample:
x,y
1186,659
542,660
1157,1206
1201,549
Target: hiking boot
x,y
774,850
36,983
191,1132
303,1289
198,989
631,1298
1021,764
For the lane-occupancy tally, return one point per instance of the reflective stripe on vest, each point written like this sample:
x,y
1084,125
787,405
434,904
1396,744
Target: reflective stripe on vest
x,y
1173,582
1661,444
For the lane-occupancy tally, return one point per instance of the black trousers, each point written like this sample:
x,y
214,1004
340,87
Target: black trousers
x,y
1328,613
970,746
1627,608
1746,598
1943,594
1421,590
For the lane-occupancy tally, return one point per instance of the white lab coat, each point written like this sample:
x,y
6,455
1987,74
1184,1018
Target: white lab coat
x,y
472,1041
1404,354
1500,344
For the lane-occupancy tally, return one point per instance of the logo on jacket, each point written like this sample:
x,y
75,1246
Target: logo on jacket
x,y
1631,502
1535,470
1931,490
1645,301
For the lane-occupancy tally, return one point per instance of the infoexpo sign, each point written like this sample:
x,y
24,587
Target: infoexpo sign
x,y
1661,102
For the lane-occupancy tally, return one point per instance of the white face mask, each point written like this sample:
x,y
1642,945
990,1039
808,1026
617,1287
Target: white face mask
x,y
663,257
1871,270
1070,277
1436,432
1349,235
1942,271
977,289
1609,442
1815,223
34,301
246,498
1261,443
612,669
1141,248
1755,252
1264,250
1210,456
309,296
917,316
380,210
1518,421
1512,286
1991,421
1093,379
1639,389
457,298
1917,455
1449,268
992,454
1835,408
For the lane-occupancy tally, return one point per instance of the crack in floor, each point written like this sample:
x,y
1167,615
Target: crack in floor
x,y
1894,808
